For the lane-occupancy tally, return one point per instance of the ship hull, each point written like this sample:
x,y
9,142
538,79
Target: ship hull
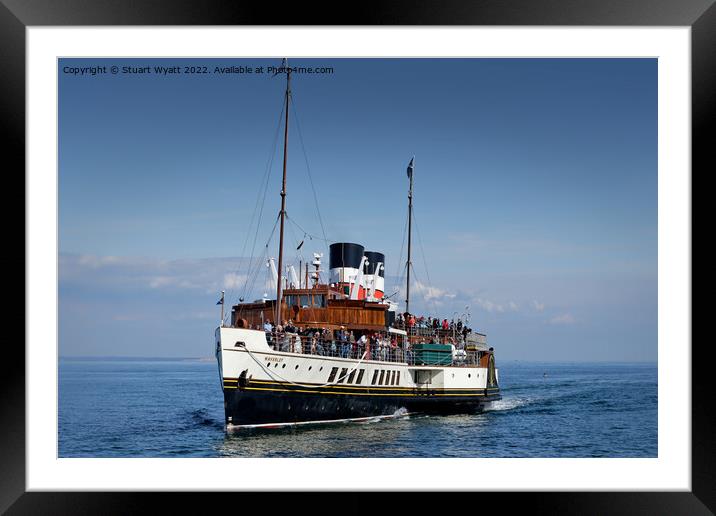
x,y
268,405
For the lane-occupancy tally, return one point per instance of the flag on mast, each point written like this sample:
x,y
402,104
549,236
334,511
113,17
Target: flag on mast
x,y
410,167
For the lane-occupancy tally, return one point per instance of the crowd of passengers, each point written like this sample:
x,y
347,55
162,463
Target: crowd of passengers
x,y
411,322
367,345
335,343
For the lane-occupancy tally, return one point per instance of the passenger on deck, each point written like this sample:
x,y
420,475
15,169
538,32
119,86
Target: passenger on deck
x,y
285,342
344,345
408,352
446,325
362,344
330,341
268,327
351,345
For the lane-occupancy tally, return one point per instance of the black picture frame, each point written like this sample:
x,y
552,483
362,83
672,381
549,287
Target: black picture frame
x,y
17,15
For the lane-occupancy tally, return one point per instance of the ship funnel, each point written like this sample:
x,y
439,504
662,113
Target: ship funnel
x,y
344,261
375,273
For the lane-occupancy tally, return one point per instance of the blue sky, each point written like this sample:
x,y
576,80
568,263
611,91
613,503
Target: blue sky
x,y
535,195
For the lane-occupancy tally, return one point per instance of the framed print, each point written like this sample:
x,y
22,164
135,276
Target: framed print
x,y
448,249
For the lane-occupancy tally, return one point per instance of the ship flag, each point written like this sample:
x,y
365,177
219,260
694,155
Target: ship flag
x,y
220,301
410,167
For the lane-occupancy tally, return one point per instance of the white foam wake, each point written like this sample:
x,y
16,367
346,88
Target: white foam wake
x,y
507,404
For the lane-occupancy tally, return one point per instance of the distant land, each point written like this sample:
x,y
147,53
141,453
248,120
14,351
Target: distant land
x,y
212,359
139,359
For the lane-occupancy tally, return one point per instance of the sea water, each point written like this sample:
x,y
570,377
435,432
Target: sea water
x,y
174,408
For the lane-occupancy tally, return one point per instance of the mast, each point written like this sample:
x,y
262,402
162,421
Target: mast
x,y
410,228
279,285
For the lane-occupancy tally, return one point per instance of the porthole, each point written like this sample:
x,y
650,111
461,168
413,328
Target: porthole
x,y
469,376
284,366
321,369
310,367
296,366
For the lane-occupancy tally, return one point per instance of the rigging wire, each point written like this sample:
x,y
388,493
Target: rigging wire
x,y
300,228
263,185
254,274
298,252
430,305
269,168
308,169
402,247
425,263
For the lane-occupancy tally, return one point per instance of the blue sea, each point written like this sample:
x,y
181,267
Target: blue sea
x,y
174,408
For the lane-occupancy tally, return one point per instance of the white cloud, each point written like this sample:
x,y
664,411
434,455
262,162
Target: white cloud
x,y
233,280
432,293
563,319
537,305
96,262
207,275
495,307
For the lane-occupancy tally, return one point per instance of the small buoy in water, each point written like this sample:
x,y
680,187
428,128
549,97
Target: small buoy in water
x,y
544,375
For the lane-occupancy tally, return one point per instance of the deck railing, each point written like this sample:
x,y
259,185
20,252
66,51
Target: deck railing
x,y
401,353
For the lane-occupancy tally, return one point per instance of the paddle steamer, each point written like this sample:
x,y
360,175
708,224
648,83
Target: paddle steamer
x,y
339,350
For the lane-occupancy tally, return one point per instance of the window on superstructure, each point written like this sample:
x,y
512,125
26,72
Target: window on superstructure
x,y
382,377
392,378
305,301
291,300
351,376
360,376
342,377
375,377
319,301
332,376
397,379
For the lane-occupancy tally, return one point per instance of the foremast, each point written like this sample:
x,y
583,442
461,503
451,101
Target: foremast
x,y
409,263
279,283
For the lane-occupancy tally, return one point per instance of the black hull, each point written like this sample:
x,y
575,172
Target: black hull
x,y
262,406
